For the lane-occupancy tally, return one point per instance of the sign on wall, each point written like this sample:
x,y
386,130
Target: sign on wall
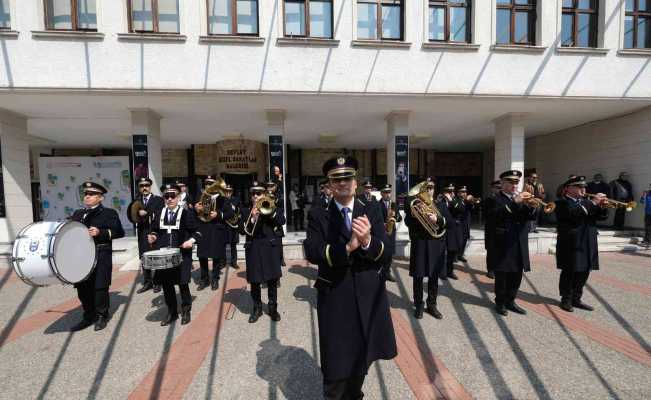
x,y
402,166
61,178
140,157
234,156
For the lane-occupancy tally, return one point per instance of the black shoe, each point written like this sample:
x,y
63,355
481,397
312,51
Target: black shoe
x,y
202,285
501,310
169,319
214,285
157,288
256,313
582,305
444,278
433,311
185,315
282,263
418,313
145,287
101,323
535,231
490,274
516,309
389,277
462,258
83,324
235,266
452,275
273,312
566,305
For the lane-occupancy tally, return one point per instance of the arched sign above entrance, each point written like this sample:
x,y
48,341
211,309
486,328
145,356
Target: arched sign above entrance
x,y
233,156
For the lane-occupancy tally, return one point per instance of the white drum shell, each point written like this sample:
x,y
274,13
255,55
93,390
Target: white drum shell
x,y
54,252
161,259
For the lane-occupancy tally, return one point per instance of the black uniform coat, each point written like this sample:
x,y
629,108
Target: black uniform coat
x,y
576,244
385,212
215,233
110,227
188,228
324,201
454,235
355,325
489,230
263,248
234,233
511,236
154,204
426,254
464,219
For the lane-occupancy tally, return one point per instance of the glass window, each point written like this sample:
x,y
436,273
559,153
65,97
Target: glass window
x,y
449,20
637,24
247,17
387,15
367,21
308,18
437,23
579,26
516,22
155,16
76,15
295,18
221,19
320,19
5,17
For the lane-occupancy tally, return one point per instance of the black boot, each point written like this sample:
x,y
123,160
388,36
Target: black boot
x,y
418,312
579,304
433,311
171,317
273,312
501,310
234,265
566,304
81,325
256,313
203,284
145,287
185,314
214,285
516,308
101,323
490,275
388,276
452,275
157,288
462,258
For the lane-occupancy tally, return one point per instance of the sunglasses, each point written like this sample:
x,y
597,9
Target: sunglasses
x,y
168,196
145,186
91,194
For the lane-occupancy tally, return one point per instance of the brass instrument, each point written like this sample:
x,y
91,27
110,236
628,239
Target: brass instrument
x,y
208,202
133,212
535,202
266,204
474,200
422,206
235,220
390,223
610,203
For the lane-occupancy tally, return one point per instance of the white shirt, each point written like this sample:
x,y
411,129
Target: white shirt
x,y
293,200
351,206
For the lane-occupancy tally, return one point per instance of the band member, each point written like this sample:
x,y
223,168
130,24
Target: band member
x,y
185,200
467,203
233,228
427,254
151,204
489,228
103,225
389,211
576,246
536,188
368,195
272,189
263,248
214,236
349,244
326,195
175,227
511,215
454,235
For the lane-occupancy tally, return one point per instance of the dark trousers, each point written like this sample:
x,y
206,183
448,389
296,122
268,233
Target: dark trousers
x,y
233,247
95,302
432,290
571,284
217,265
170,296
489,259
506,286
344,389
620,218
647,228
297,218
272,292
450,259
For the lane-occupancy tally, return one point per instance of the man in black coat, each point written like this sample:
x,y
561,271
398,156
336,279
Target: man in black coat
x,y
454,235
175,227
426,254
214,236
511,216
577,250
262,248
622,190
468,205
185,199
273,189
233,226
350,246
325,196
368,193
489,228
598,185
103,225
387,206
152,204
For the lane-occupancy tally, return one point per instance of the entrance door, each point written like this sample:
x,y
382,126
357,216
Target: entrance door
x,y
241,184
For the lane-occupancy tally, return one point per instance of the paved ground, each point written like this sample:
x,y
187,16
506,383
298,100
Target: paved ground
x,y
471,353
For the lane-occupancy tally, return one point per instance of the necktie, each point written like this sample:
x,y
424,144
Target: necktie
x,y
146,201
349,226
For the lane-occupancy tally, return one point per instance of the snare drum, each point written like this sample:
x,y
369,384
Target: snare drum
x,y
50,252
166,258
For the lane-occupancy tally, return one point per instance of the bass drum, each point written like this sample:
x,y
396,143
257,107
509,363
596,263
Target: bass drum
x,y
53,252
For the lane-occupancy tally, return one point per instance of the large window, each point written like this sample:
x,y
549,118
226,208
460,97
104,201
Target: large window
x,y
232,17
380,19
516,22
637,24
5,16
154,16
449,21
308,18
70,15
579,27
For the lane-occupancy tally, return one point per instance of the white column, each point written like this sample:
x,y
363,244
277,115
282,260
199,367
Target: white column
x,y
509,144
145,121
397,125
16,178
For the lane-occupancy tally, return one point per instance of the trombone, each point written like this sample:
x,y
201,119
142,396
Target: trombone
x,y
610,203
266,204
535,202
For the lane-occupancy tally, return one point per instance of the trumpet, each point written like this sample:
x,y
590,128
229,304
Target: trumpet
x,y
422,206
610,203
472,199
535,202
266,204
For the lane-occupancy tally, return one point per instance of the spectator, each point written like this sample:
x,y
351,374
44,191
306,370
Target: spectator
x,y
646,200
296,204
622,190
537,189
598,185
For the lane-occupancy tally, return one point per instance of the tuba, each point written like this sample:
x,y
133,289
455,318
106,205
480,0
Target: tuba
x,y
422,206
266,204
207,200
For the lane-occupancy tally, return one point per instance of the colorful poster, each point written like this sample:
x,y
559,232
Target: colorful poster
x,y
402,167
61,178
276,164
140,157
